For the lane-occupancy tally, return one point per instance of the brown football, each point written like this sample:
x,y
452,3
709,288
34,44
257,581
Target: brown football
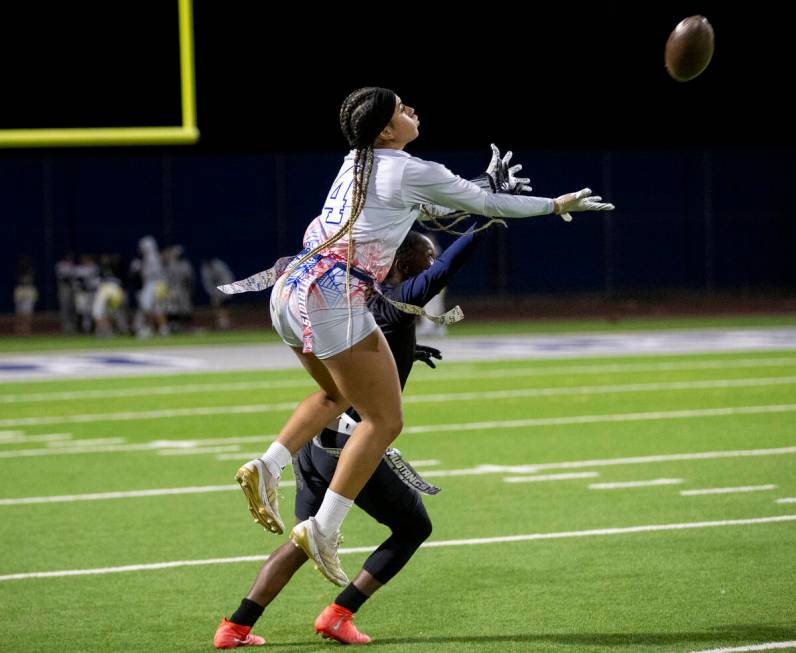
x,y
689,48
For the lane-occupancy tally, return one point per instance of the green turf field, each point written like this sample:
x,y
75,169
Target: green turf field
x,y
39,343
711,570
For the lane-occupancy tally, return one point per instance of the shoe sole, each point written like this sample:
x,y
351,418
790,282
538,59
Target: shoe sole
x,y
326,635
301,539
249,482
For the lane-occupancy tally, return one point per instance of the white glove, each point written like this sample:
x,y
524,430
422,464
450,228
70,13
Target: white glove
x,y
583,200
517,185
502,177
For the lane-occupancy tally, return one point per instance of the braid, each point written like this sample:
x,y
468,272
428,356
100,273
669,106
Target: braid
x,y
363,115
363,166
345,117
454,218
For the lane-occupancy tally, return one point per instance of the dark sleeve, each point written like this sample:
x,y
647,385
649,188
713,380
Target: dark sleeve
x,y
420,289
386,315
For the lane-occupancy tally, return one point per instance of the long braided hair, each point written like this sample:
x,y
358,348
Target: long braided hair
x,y
363,115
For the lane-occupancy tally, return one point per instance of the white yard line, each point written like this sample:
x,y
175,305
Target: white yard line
x,y
21,438
194,442
132,494
787,500
597,419
28,453
426,545
600,389
188,388
125,416
609,368
470,471
265,408
631,484
59,443
658,458
728,490
768,646
199,451
154,445
441,375
550,477
241,455
409,399
482,469
466,426
97,496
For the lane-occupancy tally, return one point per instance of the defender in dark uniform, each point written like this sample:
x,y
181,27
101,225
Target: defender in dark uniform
x,y
388,497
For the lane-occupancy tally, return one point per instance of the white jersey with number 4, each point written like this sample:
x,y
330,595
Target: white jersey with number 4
x,y
399,185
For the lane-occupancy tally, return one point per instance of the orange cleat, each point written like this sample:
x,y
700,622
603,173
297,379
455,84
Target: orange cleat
x,y
230,635
335,623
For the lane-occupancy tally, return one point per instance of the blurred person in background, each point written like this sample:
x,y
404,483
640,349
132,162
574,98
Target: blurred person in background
x,y
109,308
179,279
85,284
65,280
25,297
217,273
151,316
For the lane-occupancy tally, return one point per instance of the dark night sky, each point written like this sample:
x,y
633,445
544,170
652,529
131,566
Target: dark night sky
x,y
525,76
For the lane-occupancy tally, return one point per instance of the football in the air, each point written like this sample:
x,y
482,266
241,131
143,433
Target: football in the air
x,y
689,48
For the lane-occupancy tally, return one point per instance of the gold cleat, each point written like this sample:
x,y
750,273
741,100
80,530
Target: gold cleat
x,y
263,501
323,550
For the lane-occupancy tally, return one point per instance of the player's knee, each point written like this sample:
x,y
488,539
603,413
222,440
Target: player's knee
x,y
395,426
423,528
415,531
387,427
390,429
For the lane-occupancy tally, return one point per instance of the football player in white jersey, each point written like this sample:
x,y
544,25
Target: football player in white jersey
x,y
319,305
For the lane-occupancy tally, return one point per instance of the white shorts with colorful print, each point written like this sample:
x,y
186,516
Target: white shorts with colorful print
x,y
309,308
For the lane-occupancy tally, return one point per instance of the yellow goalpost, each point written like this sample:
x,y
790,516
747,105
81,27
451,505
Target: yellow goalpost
x,y
183,134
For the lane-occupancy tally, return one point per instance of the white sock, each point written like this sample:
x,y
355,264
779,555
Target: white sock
x,y
276,458
332,512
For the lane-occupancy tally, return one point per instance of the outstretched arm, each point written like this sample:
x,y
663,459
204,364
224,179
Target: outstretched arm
x,y
498,177
418,290
431,183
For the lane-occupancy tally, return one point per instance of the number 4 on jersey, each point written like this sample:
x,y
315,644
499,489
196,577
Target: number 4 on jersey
x,y
337,201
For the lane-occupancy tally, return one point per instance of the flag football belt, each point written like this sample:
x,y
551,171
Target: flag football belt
x,y
392,457
267,278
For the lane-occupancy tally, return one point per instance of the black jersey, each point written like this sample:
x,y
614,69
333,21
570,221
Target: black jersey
x,y
385,496
399,327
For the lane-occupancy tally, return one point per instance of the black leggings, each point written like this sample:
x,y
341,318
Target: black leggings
x,y
385,498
